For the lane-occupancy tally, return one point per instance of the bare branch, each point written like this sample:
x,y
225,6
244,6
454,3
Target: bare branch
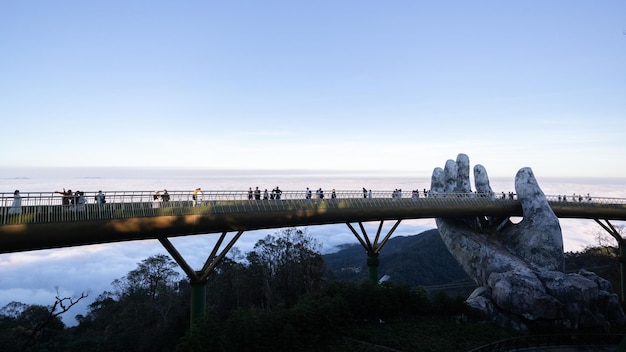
x,y
65,304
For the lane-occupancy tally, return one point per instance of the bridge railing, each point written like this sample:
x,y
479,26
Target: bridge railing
x,y
42,207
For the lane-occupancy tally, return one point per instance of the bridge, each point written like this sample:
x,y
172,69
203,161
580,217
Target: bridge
x,y
46,220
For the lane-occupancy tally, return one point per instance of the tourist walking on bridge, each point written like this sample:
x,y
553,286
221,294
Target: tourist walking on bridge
x,y
276,192
100,198
197,193
67,195
156,196
80,199
165,197
16,207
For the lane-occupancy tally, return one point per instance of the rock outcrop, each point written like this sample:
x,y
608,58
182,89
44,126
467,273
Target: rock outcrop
x,y
519,267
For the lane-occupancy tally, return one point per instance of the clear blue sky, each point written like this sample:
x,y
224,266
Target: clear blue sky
x,y
389,85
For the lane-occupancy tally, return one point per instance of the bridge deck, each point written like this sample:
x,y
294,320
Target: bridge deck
x,y
45,223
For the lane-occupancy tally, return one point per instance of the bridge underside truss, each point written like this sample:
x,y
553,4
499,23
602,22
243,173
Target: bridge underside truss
x,y
375,246
212,260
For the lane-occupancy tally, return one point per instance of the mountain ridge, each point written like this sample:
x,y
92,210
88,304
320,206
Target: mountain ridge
x,y
417,260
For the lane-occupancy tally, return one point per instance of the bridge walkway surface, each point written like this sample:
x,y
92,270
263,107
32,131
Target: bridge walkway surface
x,y
46,220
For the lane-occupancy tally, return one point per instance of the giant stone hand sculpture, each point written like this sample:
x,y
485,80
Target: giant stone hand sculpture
x,y
519,268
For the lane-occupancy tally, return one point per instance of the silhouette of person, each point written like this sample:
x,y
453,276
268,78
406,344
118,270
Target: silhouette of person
x,y
100,198
197,193
156,196
165,197
79,196
16,206
67,196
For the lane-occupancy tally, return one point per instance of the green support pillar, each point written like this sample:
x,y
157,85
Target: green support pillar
x,y
199,279
198,301
622,268
372,265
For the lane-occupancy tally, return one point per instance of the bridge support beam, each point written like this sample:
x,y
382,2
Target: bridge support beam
x,y
621,247
198,302
373,248
372,265
199,279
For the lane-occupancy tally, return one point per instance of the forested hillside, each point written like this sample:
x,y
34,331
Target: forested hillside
x,y
423,260
285,296
420,260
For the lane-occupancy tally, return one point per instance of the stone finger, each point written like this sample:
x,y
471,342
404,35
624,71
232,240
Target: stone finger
x,y
539,234
463,174
437,183
481,180
450,173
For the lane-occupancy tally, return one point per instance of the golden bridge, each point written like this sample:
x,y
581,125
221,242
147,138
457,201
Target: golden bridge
x,y
48,220
44,222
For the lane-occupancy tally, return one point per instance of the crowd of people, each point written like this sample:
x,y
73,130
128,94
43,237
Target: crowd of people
x,y
276,193
575,197
70,200
256,194
77,199
158,198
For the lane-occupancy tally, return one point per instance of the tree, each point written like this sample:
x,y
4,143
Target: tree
x,y
230,287
606,240
286,265
34,327
139,314
154,284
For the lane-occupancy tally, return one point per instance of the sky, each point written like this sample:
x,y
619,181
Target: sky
x,y
399,86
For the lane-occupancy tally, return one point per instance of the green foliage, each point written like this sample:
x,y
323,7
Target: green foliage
x,y
29,328
286,266
141,315
602,260
446,305
203,336
441,333
321,319
277,300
